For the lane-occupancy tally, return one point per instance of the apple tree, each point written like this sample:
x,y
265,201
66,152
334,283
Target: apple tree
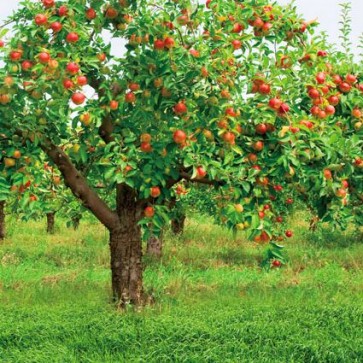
x,y
212,93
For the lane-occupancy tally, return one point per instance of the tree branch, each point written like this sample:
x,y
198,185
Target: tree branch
x,y
186,176
78,184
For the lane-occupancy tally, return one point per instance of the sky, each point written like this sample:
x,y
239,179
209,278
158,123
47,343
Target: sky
x,y
327,12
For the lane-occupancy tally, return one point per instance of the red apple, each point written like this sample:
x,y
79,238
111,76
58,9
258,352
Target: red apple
x,y
40,19
155,192
180,108
56,26
179,137
149,212
72,37
78,98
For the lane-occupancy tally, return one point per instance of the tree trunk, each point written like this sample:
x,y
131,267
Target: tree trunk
x,y
126,250
154,247
50,222
2,220
75,222
177,224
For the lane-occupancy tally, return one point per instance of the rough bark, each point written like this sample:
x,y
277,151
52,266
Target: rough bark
x,y
126,250
154,248
177,224
2,220
51,222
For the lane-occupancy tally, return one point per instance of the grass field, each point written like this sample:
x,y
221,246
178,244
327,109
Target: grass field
x,y
213,302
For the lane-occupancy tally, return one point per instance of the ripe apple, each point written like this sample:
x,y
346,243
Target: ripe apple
x,y
275,103
264,89
91,14
284,108
327,174
155,192
113,105
180,108
111,13
85,118
345,87
314,93
16,154
63,11
261,129
334,100
72,37
67,83
56,26
72,68
78,98
351,78
149,212
237,28
252,158
201,172
276,263
320,77
169,42
279,219
258,145
134,86
357,113
15,55
130,97
288,233
229,137
236,44
194,53
330,110
341,193
307,123
179,137
40,19
159,44
82,80
44,57
322,53
146,147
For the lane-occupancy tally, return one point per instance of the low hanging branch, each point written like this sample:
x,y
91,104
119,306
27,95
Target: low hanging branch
x,y
79,186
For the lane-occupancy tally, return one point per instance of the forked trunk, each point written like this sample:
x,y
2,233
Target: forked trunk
x,y
154,247
126,250
50,222
2,220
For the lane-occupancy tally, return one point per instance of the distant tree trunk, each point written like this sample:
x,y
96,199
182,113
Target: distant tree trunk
x,y
178,223
154,247
50,222
75,222
2,220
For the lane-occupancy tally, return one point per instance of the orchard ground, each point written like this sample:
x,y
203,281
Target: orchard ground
x,y
213,303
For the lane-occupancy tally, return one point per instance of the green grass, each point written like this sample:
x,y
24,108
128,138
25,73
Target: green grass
x,y
213,302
